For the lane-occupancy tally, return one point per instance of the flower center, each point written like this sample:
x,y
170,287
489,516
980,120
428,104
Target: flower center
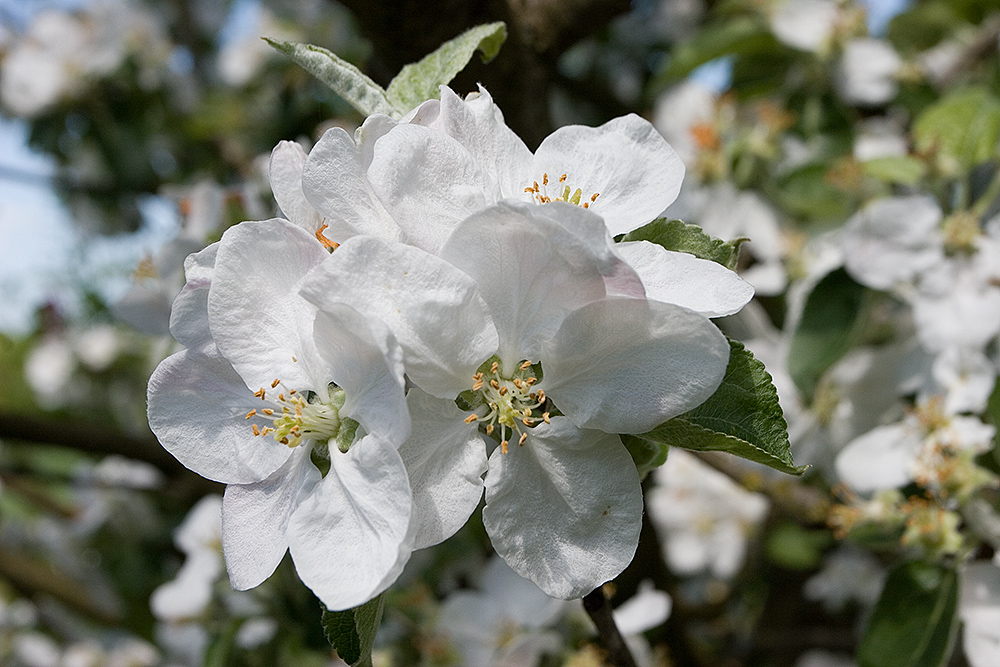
x,y
295,417
541,193
510,402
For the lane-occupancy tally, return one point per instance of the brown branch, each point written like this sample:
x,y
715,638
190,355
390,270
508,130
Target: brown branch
x,y
596,605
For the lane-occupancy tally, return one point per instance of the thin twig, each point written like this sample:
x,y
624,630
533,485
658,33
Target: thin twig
x,y
597,607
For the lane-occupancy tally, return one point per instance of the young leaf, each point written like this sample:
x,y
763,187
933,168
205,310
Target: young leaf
x,y
344,78
963,127
914,623
826,330
742,417
352,631
419,81
679,236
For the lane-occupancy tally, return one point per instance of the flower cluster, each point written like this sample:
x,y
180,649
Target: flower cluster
x,y
441,313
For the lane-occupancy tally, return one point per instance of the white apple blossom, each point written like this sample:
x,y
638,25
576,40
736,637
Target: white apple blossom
x,y
268,391
511,319
807,25
867,72
702,517
979,608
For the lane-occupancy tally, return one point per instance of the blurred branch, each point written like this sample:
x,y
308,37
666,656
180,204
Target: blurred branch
x,y
33,577
790,496
88,438
984,44
596,605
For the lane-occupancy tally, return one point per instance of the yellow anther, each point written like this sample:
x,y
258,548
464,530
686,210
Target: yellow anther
x,y
251,413
477,385
256,431
520,441
471,418
489,429
545,418
259,393
327,243
268,411
526,365
502,390
503,447
275,383
594,196
494,367
562,179
545,179
495,384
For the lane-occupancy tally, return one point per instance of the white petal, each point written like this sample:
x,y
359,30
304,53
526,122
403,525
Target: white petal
x,y
645,610
626,161
189,314
530,271
477,123
334,182
979,607
445,459
679,278
627,365
255,519
285,175
367,363
565,509
197,408
349,538
517,599
428,182
882,458
258,320
433,309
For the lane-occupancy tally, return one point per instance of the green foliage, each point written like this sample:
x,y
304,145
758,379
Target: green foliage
x,y
807,192
962,127
416,82
419,81
827,329
352,631
344,78
742,417
914,623
679,236
793,547
741,35
903,169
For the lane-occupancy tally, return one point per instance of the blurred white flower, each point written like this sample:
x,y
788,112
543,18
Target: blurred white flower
x,y
867,72
49,369
807,25
848,574
979,608
703,518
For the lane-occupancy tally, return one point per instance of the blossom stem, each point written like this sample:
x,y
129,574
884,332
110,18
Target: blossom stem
x,y
597,607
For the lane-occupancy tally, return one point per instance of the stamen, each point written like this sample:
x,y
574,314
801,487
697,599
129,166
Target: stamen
x,y
275,383
327,243
520,442
471,418
267,411
526,365
259,393
251,413
255,429
503,446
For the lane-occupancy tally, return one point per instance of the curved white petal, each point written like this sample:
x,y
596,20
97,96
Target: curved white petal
x,y
285,174
626,161
433,309
189,314
882,458
197,406
367,363
445,459
335,183
258,320
477,123
348,538
697,284
626,365
564,509
529,270
255,519
428,182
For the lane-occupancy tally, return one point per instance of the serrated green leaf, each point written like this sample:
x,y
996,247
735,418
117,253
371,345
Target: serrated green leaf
x,y
741,35
963,127
902,169
679,236
352,631
914,623
826,331
419,81
344,78
742,418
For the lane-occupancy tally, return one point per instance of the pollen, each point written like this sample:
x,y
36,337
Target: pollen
x,y
327,243
295,418
566,194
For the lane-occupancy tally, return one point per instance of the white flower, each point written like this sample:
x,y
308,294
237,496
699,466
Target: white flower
x,y
847,574
867,72
807,25
269,391
504,623
979,608
452,158
511,319
679,111
702,517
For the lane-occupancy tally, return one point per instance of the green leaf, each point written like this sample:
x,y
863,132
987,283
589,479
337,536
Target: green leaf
x,y
827,329
741,35
808,192
679,236
352,631
914,623
902,169
418,82
344,78
220,649
742,417
648,455
793,547
963,127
